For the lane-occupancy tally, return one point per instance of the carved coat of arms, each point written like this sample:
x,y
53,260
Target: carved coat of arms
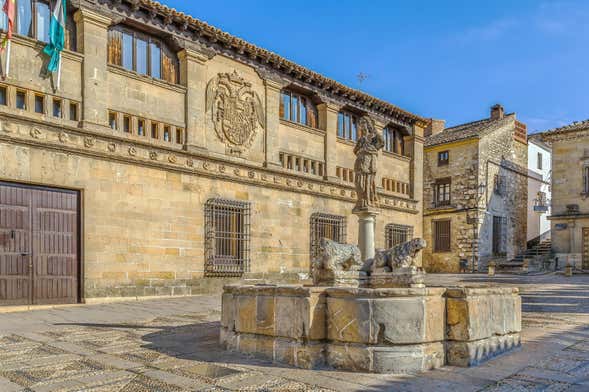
x,y
236,110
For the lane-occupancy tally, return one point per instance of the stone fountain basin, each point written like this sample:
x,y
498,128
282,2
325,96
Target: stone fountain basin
x,y
382,330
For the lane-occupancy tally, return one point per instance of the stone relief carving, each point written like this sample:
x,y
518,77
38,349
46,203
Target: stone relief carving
x,y
89,142
366,150
63,137
335,262
36,133
399,257
236,110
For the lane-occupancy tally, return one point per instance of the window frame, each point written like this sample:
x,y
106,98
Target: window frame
x,y
309,106
149,39
393,230
349,126
441,160
318,221
443,182
437,245
539,163
586,180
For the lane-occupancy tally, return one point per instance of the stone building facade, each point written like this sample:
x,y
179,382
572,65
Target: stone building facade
x,y
570,193
475,192
174,153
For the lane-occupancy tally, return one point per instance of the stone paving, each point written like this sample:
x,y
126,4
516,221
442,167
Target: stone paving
x,y
172,345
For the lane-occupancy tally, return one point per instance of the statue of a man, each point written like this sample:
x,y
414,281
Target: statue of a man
x,y
366,150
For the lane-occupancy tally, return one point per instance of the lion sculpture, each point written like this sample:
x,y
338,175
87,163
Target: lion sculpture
x,y
335,257
399,257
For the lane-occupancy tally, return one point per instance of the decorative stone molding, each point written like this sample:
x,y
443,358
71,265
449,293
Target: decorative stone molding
x,y
236,110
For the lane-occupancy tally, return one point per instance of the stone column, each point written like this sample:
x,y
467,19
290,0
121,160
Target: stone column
x,y
271,148
328,121
92,37
366,228
194,77
415,145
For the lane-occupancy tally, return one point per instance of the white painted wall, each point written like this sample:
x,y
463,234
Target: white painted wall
x,y
538,181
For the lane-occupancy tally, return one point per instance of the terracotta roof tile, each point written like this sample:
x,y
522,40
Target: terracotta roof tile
x,y
467,131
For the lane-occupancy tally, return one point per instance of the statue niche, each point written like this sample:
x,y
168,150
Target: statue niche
x,y
236,110
366,151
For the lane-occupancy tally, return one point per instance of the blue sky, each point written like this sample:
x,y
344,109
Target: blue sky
x,y
446,59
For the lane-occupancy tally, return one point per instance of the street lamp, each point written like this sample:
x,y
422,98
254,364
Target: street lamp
x,y
472,218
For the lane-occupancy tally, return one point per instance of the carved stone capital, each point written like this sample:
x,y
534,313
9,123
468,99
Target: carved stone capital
x,y
192,51
272,78
85,15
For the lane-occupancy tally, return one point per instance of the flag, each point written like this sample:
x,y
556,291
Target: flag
x,y
8,9
56,36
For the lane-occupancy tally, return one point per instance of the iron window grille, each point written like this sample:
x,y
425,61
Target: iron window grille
x,y
328,226
227,238
397,234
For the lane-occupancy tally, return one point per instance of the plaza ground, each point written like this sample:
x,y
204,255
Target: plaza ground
x,y
172,345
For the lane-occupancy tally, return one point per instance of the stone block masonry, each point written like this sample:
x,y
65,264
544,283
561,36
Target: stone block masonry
x,y
394,330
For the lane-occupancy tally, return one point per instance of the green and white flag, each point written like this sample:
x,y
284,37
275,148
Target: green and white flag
x,y
56,38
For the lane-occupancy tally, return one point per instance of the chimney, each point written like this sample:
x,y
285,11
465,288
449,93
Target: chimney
x,y
497,112
435,127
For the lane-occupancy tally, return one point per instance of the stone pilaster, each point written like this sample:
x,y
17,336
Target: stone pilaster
x,y
415,144
271,150
92,37
328,121
193,77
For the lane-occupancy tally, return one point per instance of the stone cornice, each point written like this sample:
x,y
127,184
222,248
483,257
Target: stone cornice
x,y
177,23
70,139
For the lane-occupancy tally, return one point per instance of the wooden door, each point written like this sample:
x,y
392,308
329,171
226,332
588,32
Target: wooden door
x,y
39,257
15,246
585,247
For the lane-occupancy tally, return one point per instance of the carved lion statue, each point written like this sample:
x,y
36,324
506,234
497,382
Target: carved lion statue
x,y
336,257
401,256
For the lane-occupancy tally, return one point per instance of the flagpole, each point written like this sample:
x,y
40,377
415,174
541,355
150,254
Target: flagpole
x,y
59,72
8,58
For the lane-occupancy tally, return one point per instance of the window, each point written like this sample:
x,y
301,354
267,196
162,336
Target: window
x,y
328,226
73,111
443,158
33,20
140,127
112,120
141,53
397,234
127,124
3,96
393,140
441,236
227,237
586,180
442,192
39,104
57,108
539,165
166,133
179,136
155,130
21,100
346,126
298,108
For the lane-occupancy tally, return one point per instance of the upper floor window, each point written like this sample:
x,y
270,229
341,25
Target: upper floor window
x,y
346,126
442,192
443,158
586,180
141,53
539,165
298,108
32,19
393,140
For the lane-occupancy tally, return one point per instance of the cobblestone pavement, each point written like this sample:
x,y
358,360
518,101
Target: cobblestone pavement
x,y
171,345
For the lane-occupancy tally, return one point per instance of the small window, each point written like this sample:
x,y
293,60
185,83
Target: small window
x,y
227,237
112,120
3,96
39,104
442,189
441,231
166,133
393,140
539,161
179,136
328,226
443,158
141,127
298,108
586,180
42,18
346,126
499,184
57,108
155,130
21,100
74,111
127,124
397,235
